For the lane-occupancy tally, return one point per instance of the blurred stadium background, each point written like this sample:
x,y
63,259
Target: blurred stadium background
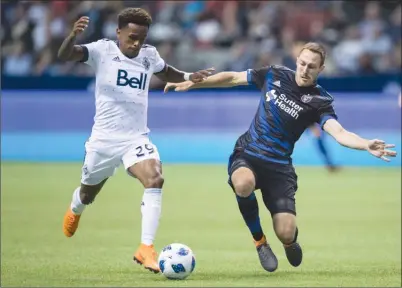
x,y
47,110
50,104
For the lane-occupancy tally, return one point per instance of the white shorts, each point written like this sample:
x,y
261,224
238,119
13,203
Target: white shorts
x,y
103,157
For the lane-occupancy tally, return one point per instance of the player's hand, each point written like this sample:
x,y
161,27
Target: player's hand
x,y
201,75
379,149
80,26
178,87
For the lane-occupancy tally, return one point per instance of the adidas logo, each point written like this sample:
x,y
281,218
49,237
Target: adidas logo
x,y
277,83
117,59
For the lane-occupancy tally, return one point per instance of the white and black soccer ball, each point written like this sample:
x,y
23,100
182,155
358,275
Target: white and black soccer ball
x,y
176,261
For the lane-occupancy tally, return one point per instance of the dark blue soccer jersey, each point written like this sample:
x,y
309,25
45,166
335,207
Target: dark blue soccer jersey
x,y
284,112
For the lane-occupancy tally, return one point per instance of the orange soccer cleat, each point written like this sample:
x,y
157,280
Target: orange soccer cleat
x,y
146,255
70,223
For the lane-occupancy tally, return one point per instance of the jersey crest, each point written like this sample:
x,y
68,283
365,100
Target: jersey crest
x,y
306,98
146,63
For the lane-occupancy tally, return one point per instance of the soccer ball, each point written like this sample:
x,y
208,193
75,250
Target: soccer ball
x,y
176,261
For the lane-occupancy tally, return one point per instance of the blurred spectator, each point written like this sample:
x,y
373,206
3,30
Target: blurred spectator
x,y
244,56
372,20
166,23
361,37
395,25
109,26
337,24
191,10
19,62
378,43
346,54
366,66
39,14
290,58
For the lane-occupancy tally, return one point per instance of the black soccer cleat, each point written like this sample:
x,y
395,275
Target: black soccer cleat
x,y
294,254
268,259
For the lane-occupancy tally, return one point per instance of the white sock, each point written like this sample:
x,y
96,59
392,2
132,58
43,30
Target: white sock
x,y
151,211
76,205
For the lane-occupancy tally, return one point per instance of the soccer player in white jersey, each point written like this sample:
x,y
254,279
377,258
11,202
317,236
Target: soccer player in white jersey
x,y
120,134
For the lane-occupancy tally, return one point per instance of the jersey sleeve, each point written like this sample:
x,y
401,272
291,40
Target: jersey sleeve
x,y
326,108
257,76
326,112
159,63
92,53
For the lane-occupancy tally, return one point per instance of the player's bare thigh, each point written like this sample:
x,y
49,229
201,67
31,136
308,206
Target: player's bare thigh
x,y
100,163
148,172
142,161
243,181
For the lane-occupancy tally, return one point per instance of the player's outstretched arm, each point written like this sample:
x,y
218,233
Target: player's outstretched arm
x,y
222,79
68,51
375,147
171,74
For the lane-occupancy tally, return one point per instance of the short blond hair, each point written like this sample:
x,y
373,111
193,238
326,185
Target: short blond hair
x,y
316,48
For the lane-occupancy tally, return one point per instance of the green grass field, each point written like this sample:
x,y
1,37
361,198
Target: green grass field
x,y
350,229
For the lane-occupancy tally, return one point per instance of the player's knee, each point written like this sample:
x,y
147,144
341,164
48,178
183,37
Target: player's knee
x,y
285,233
243,182
154,181
244,187
285,227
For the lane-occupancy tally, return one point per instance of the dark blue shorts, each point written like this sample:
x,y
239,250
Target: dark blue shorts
x,y
277,182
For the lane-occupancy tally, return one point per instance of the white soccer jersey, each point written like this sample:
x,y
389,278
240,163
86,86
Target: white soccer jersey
x,y
121,89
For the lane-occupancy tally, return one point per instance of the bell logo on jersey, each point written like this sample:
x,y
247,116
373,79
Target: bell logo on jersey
x,y
133,82
287,105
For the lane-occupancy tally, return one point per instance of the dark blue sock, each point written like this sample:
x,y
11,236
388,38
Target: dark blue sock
x,y
249,209
323,150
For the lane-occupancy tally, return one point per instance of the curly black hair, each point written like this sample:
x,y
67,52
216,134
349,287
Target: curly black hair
x,y
137,16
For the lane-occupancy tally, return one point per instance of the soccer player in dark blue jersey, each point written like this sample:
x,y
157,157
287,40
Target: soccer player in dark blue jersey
x,y
291,101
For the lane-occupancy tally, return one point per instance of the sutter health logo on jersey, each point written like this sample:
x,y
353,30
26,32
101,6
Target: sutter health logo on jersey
x,y
285,104
133,82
